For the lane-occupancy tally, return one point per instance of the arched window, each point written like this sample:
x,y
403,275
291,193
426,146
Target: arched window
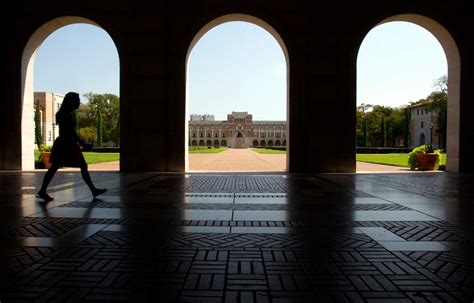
x,y
263,143
255,143
223,143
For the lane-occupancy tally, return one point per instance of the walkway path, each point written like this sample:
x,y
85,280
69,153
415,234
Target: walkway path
x,y
238,160
246,160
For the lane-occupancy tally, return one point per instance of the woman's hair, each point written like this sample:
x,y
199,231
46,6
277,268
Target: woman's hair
x,y
69,102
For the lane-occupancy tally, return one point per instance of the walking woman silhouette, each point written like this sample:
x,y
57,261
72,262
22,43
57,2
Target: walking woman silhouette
x,y
66,150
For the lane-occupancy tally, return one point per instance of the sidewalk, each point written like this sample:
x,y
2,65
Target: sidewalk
x,y
246,160
237,160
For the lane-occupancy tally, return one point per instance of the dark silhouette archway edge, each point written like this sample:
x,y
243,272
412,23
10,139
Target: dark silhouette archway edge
x,y
153,38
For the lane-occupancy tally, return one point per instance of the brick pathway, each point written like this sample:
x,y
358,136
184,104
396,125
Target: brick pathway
x,y
245,160
238,160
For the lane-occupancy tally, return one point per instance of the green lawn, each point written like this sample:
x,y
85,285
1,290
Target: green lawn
x,y
92,158
390,159
205,150
268,151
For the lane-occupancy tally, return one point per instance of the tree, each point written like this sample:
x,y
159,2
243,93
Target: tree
x,y
361,124
406,127
366,138
117,139
439,104
99,127
38,128
109,107
383,133
88,134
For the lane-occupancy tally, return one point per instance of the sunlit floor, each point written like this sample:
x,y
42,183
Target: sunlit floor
x,y
239,238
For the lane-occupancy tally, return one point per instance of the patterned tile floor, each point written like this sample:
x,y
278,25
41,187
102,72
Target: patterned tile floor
x,y
238,238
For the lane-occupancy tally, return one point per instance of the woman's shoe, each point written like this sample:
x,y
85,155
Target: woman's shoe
x,y
44,196
98,191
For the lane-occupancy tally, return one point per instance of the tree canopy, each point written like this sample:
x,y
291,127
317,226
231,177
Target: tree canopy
x,y
378,125
108,107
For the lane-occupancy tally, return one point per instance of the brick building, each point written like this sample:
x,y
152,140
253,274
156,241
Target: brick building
x,y
49,103
238,131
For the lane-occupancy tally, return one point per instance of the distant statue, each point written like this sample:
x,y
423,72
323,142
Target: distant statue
x,y
66,150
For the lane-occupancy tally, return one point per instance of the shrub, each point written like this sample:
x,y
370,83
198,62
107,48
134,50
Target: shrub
x,y
426,148
45,148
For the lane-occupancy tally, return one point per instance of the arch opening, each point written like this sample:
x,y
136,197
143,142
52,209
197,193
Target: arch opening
x,y
46,94
420,117
238,124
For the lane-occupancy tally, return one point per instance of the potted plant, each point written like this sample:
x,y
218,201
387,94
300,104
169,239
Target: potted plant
x,y
45,153
424,157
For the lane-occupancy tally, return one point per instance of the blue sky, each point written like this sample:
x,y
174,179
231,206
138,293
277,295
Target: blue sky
x,y
397,63
81,58
238,66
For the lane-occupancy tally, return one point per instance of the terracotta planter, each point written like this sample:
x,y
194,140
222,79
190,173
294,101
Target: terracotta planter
x,y
426,161
45,156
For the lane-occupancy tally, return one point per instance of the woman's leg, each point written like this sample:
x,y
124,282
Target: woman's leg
x,y
87,178
46,180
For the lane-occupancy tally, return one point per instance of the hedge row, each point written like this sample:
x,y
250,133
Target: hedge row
x,y
272,147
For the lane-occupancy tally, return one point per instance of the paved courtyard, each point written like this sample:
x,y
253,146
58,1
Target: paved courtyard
x,y
238,238
238,160
246,160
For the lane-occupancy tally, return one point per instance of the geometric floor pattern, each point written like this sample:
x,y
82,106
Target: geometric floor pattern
x,y
238,238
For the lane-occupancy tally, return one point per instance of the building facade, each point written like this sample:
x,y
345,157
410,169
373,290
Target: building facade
x,y
423,125
49,104
238,131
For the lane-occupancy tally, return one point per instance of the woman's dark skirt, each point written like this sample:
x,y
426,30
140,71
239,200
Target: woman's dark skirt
x,y
66,153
